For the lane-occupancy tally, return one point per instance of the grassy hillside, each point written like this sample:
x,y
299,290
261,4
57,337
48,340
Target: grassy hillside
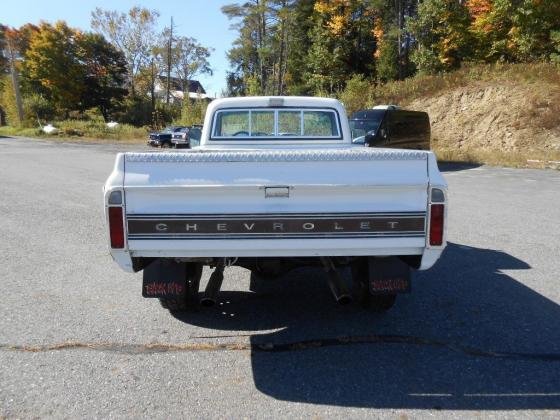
x,y
497,114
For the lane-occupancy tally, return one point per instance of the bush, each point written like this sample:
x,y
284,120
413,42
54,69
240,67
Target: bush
x,y
356,95
193,112
165,114
136,111
37,107
99,130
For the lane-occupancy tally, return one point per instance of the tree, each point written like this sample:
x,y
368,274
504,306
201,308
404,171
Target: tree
x,y
324,70
259,56
191,59
3,47
4,68
298,47
52,61
514,30
342,44
105,74
133,33
533,25
188,58
249,54
74,70
145,80
20,38
441,31
8,106
393,38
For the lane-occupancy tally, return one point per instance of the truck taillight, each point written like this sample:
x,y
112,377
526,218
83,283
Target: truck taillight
x,y
436,224
116,227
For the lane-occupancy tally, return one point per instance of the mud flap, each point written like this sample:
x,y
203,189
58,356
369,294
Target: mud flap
x,y
164,279
388,276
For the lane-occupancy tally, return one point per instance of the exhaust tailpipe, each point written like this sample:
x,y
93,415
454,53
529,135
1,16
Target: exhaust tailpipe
x,y
336,284
213,287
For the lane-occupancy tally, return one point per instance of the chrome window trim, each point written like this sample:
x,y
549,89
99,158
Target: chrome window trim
x,y
276,137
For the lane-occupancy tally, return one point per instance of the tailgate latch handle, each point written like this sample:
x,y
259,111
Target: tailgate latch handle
x,y
279,191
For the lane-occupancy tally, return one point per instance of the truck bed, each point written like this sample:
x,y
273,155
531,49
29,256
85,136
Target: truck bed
x,y
233,203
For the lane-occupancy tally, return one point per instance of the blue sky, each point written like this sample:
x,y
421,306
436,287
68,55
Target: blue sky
x,y
202,20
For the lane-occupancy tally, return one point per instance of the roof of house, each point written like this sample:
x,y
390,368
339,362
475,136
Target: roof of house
x,y
194,86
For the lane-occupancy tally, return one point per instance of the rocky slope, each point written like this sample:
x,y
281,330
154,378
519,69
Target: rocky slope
x,y
502,117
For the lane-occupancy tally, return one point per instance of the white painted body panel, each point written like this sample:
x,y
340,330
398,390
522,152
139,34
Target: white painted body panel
x,y
322,177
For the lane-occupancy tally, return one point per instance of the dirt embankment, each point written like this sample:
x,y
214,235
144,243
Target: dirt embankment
x,y
496,118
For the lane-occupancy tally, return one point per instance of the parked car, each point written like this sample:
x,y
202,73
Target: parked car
x,y
187,137
392,127
195,134
163,138
273,187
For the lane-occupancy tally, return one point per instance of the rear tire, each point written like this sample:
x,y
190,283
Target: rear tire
x,y
189,300
360,289
166,145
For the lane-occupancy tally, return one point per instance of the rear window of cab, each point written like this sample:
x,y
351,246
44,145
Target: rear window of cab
x,y
269,124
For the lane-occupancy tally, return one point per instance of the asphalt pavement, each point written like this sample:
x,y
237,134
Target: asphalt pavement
x,y
478,336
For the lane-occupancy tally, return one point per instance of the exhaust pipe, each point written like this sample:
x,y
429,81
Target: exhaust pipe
x,y
336,284
213,287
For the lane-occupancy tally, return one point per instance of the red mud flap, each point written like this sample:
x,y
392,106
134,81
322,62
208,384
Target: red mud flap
x,y
164,279
388,276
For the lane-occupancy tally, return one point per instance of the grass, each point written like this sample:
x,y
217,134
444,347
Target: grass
x,y
420,86
528,159
77,129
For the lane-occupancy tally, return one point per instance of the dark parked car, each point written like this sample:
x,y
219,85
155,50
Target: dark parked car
x,y
187,137
163,138
392,127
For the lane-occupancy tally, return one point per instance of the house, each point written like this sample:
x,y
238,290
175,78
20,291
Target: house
x,y
176,92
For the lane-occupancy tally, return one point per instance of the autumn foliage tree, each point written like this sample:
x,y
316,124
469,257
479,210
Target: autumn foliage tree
x,y
52,61
441,33
104,74
73,70
343,44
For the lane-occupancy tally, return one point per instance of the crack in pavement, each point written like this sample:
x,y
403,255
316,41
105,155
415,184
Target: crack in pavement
x,y
149,348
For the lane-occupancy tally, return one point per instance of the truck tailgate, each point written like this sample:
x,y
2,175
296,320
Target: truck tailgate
x,y
214,203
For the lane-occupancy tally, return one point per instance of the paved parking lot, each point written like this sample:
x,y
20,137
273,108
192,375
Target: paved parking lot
x,y
479,335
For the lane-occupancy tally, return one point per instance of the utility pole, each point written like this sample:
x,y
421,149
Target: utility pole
x,y
152,85
169,60
15,82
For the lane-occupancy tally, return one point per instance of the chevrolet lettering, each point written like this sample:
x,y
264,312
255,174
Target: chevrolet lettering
x,y
362,225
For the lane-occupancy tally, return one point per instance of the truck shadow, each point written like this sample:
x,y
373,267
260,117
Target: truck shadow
x,y
449,329
456,166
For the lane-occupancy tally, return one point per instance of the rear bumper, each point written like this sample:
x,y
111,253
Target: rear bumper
x,y
180,143
276,248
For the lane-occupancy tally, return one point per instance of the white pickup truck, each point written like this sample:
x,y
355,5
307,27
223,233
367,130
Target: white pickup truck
x,y
276,184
